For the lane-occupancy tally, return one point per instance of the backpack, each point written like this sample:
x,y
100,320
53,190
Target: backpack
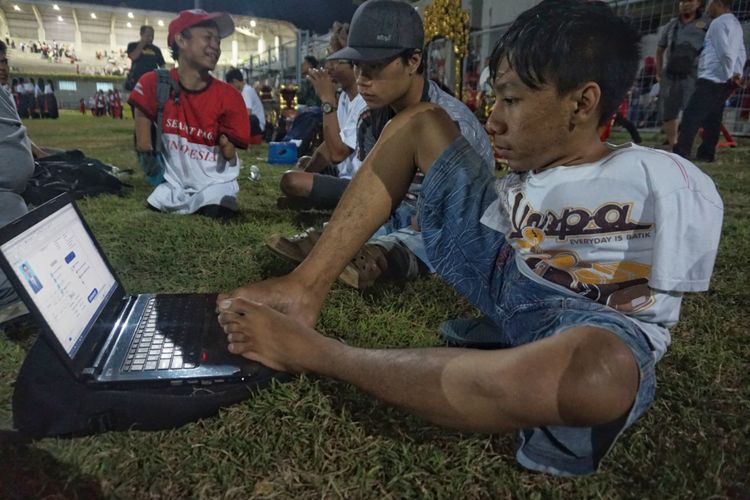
x,y
48,401
71,172
152,162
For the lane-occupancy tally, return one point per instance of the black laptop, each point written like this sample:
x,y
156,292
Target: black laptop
x,y
100,333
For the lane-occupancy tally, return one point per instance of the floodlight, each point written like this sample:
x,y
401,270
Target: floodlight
x,y
160,22
129,24
252,23
130,15
16,8
59,19
93,16
55,6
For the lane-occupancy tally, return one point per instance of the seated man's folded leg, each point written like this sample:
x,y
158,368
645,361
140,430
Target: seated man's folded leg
x,y
467,254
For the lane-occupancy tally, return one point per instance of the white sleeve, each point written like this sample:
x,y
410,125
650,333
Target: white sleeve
x,y
348,126
723,48
688,227
246,96
257,108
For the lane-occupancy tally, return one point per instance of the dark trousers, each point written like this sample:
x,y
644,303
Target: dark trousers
x,y
629,126
704,109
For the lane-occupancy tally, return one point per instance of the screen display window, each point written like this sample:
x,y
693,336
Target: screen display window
x,y
58,264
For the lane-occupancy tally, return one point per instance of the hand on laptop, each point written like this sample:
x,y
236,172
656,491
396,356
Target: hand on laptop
x,y
267,336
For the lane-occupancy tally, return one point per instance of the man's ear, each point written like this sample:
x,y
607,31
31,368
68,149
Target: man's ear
x,y
414,60
586,100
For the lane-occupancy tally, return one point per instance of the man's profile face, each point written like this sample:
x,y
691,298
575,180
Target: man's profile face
x,y
341,71
528,127
382,83
238,84
4,69
202,47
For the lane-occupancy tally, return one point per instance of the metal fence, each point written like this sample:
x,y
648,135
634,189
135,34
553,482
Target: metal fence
x,y
650,16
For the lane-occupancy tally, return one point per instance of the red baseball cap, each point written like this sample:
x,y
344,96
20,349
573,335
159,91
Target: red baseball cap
x,y
189,18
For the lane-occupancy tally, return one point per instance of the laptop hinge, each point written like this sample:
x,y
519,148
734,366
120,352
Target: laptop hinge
x,y
114,334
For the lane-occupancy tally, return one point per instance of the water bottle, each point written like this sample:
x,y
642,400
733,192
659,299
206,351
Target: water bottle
x,y
254,173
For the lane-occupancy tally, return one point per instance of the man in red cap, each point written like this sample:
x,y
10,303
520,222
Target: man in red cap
x,y
202,125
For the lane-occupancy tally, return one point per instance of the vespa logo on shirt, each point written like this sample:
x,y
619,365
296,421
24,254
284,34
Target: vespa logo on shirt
x,y
608,218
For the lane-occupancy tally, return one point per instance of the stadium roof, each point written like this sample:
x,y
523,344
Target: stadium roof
x,y
313,15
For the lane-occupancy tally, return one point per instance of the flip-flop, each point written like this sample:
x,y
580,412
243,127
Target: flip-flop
x,y
366,267
294,248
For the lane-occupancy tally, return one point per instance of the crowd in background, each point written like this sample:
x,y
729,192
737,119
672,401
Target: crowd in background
x,y
34,98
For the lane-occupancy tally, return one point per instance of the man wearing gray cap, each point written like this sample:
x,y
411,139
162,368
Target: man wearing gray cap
x,y
386,38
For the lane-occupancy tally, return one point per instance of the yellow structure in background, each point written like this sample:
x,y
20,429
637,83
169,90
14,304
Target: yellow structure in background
x,y
445,18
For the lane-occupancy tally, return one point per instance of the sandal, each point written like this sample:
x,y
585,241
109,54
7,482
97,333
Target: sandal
x,y
366,267
294,248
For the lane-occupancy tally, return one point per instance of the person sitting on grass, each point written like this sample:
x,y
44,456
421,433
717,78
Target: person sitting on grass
x,y
390,79
197,169
320,179
255,110
580,261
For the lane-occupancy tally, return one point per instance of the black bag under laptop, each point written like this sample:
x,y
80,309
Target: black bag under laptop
x,y
107,360
48,401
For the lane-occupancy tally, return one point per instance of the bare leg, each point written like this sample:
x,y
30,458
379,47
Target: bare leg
x,y
297,184
583,376
414,139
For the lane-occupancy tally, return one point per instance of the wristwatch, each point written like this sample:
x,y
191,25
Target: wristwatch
x,y
327,107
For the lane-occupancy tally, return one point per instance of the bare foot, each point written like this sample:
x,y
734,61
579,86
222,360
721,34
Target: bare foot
x,y
276,340
284,294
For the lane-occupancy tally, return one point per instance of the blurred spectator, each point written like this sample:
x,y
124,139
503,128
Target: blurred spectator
x,y
677,62
719,72
145,56
306,95
253,104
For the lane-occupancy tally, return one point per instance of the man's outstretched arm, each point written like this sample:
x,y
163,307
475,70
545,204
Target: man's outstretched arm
x,y
583,376
415,138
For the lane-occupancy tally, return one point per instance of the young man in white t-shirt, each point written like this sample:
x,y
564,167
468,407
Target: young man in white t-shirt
x,y
320,180
253,103
579,262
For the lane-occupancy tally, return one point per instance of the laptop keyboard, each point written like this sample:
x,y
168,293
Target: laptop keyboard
x,y
166,338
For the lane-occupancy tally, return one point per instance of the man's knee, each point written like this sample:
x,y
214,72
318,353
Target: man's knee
x,y
425,128
296,184
601,382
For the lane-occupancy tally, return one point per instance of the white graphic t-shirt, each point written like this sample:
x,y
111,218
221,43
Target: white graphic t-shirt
x,y
632,231
196,173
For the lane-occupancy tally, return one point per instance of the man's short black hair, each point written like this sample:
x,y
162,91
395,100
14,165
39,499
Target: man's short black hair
x,y
146,27
567,43
175,49
312,61
3,47
233,75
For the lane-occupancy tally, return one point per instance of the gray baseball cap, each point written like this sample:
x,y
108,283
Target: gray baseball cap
x,y
381,29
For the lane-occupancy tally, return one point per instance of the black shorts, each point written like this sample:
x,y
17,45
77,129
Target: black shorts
x,y
327,190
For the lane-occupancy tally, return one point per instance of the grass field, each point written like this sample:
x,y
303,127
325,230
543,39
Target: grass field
x,y
314,437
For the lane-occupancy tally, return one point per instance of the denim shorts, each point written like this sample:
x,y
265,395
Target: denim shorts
x,y
481,264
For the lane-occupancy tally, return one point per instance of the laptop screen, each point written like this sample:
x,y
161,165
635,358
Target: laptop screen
x,y
58,264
